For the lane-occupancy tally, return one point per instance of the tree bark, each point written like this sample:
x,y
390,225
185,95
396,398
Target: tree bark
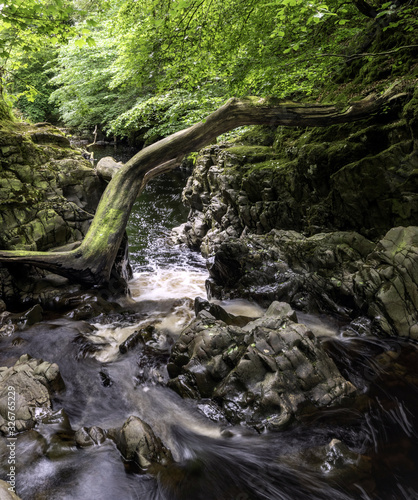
x,y
91,263
365,8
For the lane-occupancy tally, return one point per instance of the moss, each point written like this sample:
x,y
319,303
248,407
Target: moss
x,y
257,135
410,113
244,155
264,165
5,112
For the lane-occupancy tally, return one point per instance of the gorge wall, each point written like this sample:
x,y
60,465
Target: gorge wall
x,y
324,219
48,195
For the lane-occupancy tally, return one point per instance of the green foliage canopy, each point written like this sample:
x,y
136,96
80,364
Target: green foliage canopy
x,y
27,28
159,64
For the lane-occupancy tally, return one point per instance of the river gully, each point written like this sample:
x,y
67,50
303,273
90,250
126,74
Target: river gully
x,y
364,453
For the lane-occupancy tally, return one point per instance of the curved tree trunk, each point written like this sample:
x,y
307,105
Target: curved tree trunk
x,y
91,263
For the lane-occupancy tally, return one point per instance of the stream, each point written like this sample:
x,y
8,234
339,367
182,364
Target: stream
x,y
214,460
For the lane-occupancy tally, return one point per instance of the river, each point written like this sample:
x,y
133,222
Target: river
x,y
214,461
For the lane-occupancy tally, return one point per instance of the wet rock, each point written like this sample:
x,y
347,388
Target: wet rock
x,y
6,491
56,420
86,305
28,384
341,465
48,194
60,445
339,178
387,283
9,322
107,167
7,326
31,316
131,342
341,273
268,374
312,274
219,312
105,378
137,442
89,436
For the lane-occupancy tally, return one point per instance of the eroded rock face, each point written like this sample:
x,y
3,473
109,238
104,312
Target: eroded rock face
x,y
343,273
28,384
48,191
312,274
267,374
387,283
344,178
48,196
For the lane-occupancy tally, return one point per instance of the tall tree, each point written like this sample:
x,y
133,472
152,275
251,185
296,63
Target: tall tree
x,y
26,26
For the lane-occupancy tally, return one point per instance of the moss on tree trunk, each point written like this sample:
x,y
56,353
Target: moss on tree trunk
x,y
91,263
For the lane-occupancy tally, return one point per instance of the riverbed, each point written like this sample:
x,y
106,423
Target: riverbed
x,y
213,459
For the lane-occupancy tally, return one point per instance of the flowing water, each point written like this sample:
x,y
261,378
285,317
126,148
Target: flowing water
x,y
214,461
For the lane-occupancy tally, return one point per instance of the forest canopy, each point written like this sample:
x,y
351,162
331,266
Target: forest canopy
x,y
144,69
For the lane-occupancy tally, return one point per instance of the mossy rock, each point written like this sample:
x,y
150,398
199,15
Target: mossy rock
x,y
411,114
48,195
257,136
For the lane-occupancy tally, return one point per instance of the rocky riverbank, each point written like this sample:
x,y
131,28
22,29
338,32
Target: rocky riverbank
x,y
317,222
325,220
49,192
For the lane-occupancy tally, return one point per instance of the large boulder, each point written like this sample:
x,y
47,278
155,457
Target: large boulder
x,y
138,443
387,284
25,393
107,167
313,274
267,374
340,272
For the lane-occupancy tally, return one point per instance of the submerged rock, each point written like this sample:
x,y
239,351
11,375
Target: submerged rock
x,y
27,386
338,463
9,322
89,436
267,374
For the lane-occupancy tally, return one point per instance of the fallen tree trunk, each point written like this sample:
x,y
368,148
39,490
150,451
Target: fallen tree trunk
x,y
91,263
